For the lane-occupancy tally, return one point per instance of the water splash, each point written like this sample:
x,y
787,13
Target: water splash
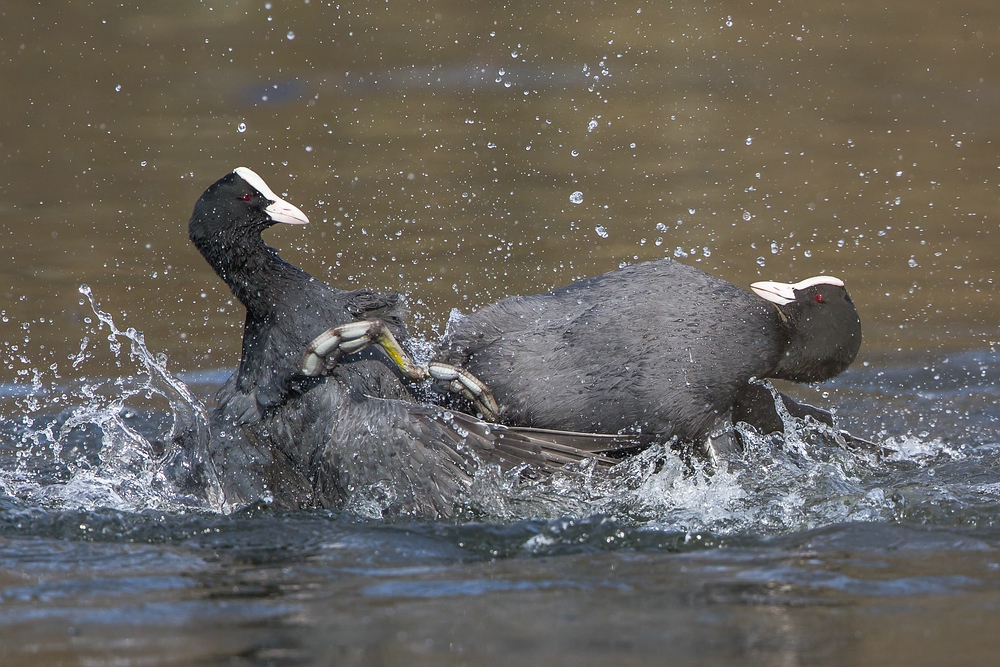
x,y
132,470
807,476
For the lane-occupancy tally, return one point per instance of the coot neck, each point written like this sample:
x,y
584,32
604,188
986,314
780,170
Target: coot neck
x,y
254,272
784,328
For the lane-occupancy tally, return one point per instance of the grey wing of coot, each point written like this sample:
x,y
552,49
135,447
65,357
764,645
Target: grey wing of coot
x,y
330,448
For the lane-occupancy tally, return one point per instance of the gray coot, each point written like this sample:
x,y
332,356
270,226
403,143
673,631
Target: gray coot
x,y
358,434
660,348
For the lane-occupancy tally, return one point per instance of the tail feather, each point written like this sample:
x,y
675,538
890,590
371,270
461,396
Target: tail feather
x,y
548,450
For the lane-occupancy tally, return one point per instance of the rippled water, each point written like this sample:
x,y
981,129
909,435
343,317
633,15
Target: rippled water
x,y
462,153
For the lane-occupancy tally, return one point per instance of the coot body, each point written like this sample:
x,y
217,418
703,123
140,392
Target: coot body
x,y
660,348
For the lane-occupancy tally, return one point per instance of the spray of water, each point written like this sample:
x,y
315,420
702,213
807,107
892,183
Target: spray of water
x,y
130,472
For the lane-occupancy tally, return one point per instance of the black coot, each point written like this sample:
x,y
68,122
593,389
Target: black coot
x,y
355,436
660,348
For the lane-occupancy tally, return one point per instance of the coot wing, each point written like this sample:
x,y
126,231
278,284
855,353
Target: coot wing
x,y
333,447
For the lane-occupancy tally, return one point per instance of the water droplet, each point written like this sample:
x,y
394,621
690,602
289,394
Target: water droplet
x,y
690,211
747,216
513,54
290,35
679,252
660,227
118,88
774,247
501,72
659,241
760,261
592,125
576,197
841,243
601,231
912,262
242,127
749,140
142,164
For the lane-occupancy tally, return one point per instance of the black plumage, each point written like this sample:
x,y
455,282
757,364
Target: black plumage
x,y
660,348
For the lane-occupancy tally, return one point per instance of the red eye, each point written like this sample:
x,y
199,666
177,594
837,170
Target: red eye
x,y
819,298
247,197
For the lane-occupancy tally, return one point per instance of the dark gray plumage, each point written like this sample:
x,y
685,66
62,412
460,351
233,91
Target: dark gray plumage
x,y
660,348
358,436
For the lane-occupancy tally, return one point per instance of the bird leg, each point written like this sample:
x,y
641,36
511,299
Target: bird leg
x,y
325,350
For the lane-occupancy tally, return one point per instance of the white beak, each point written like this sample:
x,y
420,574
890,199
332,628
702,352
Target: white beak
x,y
282,211
279,210
779,293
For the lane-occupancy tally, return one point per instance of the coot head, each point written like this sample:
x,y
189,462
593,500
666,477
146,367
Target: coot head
x,y
235,208
822,325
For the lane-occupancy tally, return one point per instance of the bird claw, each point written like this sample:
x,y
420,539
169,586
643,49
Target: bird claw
x,y
323,353
325,350
460,381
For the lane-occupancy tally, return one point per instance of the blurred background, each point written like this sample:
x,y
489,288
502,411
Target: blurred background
x,y
463,152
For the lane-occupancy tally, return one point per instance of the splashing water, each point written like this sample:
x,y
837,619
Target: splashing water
x,y
130,471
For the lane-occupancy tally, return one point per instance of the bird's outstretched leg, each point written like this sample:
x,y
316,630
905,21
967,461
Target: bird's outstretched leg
x,y
325,350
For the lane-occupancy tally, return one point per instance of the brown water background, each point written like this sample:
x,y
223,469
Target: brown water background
x,y
436,147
